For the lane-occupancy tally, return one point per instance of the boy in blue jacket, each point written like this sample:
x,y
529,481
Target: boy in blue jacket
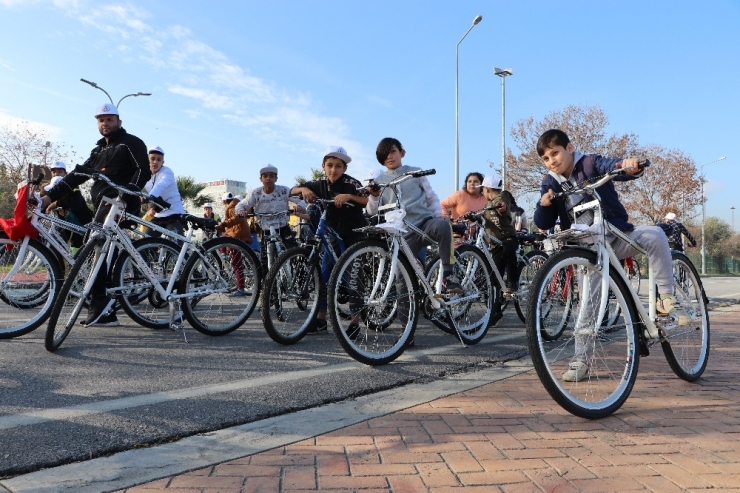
x,y
568,167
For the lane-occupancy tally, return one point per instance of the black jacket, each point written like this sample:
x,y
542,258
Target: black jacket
x,y
123,159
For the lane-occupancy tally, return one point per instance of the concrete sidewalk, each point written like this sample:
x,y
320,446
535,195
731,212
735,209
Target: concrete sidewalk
x,y
510,436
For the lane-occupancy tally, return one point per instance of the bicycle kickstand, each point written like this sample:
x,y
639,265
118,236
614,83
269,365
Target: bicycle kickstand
x,y
451,321
176,319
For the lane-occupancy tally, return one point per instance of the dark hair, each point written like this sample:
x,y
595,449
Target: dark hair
x,y
384,148
327,157
465,181
553,137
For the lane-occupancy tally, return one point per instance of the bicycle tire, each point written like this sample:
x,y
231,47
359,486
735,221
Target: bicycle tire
x,y
614,355
471,317
72,297
361,267
134,292
30,293
686,348
212,307
290,295
527,271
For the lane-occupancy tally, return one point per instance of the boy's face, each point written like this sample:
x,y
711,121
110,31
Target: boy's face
x,y
393,160
156,161
492,193
268,180
334,168
559,159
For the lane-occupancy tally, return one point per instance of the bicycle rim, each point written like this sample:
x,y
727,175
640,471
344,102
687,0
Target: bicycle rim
x,y
222,286
686,347
30,291
72,298
612,356
380,325
535,260
290,296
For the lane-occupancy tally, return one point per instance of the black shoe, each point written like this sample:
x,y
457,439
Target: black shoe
x,y
451,286
353,331
316,327
495,317
109,320
98,309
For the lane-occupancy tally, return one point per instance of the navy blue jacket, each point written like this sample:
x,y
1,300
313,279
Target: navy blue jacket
x,y
587,167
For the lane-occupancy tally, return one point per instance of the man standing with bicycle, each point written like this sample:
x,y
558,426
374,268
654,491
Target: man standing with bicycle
x,y
122,157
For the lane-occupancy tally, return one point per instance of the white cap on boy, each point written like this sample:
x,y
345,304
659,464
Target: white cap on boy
x,y
207,204
492,181
339,153
58,165
268,168
157,150
227,196
670,216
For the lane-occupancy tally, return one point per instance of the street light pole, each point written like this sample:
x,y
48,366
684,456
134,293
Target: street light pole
x,y
703,218
733,218
503,73
477,19
110,98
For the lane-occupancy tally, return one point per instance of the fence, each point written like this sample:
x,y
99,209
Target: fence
x,y
716,266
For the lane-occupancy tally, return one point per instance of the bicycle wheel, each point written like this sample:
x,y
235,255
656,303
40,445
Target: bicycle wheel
x,y
74,292
611,358
29,292
290,295
527,271
686,347
382,303
135,292
472,309
222,284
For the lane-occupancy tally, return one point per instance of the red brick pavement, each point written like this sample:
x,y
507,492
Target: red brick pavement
x,y
510,436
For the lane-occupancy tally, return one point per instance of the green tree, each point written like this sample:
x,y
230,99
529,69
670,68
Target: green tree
x,y
190,192
316,174
717,232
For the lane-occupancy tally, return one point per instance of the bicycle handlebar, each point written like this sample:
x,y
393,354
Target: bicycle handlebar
x,y
588,188
130,189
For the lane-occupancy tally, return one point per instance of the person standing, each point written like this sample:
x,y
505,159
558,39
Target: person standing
x,y
122,157
469,199
164,185
235,226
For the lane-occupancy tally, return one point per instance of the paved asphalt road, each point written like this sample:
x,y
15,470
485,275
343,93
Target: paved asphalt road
x,y
113,389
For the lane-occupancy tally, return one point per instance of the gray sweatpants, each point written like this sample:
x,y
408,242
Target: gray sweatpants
x,y
440,230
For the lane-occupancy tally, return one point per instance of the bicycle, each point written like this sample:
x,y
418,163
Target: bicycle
x,y
32,266
295,283
612,352
164,272
383,276
527,263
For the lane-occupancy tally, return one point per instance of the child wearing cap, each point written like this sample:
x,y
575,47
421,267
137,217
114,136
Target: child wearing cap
x,y
235,226
72,207
271,198
342,189
163,184
421,204
500,224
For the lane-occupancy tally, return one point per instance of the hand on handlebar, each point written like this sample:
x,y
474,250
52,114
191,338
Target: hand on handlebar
x,y
631,166
546,199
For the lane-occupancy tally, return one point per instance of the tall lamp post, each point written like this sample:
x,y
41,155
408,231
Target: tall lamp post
x,y
110,98
503,73
477,19
732,209
703,218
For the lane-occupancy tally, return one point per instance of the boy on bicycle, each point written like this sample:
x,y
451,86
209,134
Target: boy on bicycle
x,y
567,168
421,204
342,189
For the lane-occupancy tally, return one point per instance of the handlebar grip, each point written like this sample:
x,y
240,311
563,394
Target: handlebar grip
x,y
163,204
424,172
644,164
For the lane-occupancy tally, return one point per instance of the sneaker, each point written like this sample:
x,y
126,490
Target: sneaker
x,y
353,331
667,306
109,320
238,293
577,371
451,286
316,327
98,308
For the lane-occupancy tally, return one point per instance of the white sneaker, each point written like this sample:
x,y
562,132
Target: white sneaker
x,y
577,371
667,305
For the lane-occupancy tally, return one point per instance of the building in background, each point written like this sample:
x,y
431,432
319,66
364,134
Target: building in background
x,y
217,188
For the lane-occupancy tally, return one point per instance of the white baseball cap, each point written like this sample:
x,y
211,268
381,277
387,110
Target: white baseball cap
x,y
106,109
268,168
157,150
670,216
208,204
227,196
492,181
374,174
58,165
339,153
239,198
53,182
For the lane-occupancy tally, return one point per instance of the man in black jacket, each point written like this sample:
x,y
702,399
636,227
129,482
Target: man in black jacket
x,y
123,158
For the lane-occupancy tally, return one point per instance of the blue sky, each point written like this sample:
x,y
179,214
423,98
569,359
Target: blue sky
x,y
237,84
